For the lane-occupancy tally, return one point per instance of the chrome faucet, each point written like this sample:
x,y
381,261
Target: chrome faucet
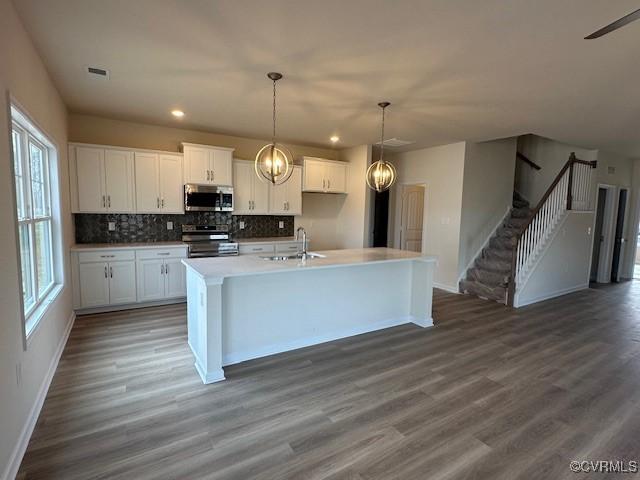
x,y
302,254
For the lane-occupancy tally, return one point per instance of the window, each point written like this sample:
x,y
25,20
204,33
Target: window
x,y
32,157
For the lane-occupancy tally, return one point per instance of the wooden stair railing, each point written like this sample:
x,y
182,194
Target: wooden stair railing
x,y
526,160
570,190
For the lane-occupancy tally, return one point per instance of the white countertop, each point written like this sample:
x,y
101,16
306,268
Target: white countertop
x,y
130,245
222,267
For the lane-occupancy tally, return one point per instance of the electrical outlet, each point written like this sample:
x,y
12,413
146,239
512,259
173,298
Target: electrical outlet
x,y
112,226
169,225
280,224
241,225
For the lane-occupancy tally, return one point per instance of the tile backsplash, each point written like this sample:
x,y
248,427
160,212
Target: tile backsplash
x,y
94,228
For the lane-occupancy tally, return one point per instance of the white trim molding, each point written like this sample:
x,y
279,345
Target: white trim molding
x,y
558,293
23,441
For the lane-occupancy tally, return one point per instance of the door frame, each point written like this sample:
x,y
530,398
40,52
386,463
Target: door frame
x,y
608,230
625,230
397,209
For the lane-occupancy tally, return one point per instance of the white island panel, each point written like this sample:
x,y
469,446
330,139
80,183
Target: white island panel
x,y
246,307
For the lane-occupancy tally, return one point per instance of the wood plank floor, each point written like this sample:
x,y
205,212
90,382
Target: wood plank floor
x,y
489,393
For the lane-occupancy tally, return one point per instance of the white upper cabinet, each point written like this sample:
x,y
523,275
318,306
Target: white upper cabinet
x,y
158,183
251,195
286,199
171,186
326,176
102,180
207,165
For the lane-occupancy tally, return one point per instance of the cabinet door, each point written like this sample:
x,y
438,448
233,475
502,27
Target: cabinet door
x,y
150,280
314,176
197,165
171,187
294,193
278,198
94,284
336,176
260,194
122,282
221,167
118,167
175,278
243,188
90,173
147,191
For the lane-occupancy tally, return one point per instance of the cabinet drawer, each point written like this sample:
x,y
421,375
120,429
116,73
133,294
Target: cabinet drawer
x,y
106,256
178,252
251,248
287,247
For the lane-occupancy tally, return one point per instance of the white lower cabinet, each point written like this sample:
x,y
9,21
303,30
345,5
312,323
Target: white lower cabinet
x,y
106,277
161,274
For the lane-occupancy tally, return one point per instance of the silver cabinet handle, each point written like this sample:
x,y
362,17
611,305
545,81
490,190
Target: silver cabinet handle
x,y
157,202
211,174
166,269
257,249
162,203
111,272
105,271
107,256
162,269
207,174
104,202
328,183
164,253
324,183
109,201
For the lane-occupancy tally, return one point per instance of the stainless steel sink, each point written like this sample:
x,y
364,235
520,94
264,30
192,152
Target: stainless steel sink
x,y
299,256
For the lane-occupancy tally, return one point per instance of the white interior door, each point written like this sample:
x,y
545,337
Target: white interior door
x,y
242,188
122,282
147,174
175,278
118,167
90,173
150,280
94,284
171,187
412,211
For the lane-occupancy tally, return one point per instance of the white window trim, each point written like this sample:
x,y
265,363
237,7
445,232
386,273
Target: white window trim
x,y
31,319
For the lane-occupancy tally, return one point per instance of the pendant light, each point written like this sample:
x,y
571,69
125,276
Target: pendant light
x,y
274,161
381,174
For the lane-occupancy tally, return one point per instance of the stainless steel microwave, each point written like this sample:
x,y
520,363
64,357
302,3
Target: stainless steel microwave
x,y
207,198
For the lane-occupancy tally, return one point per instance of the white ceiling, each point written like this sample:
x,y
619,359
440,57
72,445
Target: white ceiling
x,y
453,69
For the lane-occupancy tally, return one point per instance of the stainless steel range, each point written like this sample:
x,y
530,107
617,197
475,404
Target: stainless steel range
x,y
208,241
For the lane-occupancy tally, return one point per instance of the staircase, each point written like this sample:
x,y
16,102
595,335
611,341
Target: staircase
x,y
489,277
507,261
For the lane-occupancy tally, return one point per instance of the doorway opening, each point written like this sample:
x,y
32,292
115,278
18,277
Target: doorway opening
x,y
381,219
411,217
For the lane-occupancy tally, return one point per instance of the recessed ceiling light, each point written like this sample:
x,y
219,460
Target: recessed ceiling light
x,y
177,113
335,139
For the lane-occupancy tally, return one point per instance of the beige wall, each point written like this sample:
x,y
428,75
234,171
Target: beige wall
x,y
24,76
108,131
441,170
486,195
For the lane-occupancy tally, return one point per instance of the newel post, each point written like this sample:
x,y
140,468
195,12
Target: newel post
x,y
572,159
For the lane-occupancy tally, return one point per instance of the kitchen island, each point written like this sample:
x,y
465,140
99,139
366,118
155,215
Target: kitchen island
x,y
246,307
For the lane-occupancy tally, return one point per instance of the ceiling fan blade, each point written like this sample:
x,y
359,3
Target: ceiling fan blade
x,y
621,22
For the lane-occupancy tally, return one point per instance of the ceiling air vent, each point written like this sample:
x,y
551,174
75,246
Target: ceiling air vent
x,y
396,142
97,72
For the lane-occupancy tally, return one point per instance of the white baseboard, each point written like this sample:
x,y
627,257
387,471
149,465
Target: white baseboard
x,y
129,306
23,441
422,322
446,288
210,377
547,296
237,357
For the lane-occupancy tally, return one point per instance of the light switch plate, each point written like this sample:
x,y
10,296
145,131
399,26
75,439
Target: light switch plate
x,y
280,224
241,225
112,226
169,225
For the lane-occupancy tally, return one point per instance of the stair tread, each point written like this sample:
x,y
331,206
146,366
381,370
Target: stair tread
x,y
483,291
